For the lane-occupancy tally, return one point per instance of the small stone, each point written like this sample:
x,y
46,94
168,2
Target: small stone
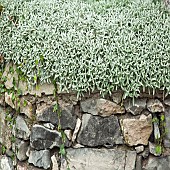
x,y
54,163
154,105
145,153
6,163
130,160
78,146
117,96
22,131
26,166
152,149
101,107
26,107
156,128
43,138
8,100
139,149
21,150
97,131
135,108
49,126
167,101
2,99
40,158
76,130
167,128
137,131
68,133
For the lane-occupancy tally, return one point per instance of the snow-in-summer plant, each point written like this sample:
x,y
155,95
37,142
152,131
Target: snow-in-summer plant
x,y
84,46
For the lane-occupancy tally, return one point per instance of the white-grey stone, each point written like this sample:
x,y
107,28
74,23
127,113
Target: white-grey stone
x,y
21,150
152,149
49,126
167,101
157,134
22,131
6,163
157,163
139,149
167,128
40,158
54,163
100,159
68,133
130,160
154,106
76,130
135,108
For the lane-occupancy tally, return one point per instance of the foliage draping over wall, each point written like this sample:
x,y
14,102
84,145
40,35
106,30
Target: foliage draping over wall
x,y
85,46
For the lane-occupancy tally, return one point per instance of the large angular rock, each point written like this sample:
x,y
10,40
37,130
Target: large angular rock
x,y
101,107
97,131
40,158
137,131
154,105
6,163
46,114
135,108
157,163
167,128
5,131
43,138
99,159
21,129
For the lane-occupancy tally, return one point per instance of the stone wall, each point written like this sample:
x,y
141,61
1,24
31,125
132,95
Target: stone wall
x,y
101,133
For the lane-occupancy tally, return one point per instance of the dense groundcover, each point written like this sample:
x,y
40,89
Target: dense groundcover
x,y
85,46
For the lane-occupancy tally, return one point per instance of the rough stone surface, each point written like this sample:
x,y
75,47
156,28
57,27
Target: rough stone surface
x,y
152,149
139,149
154,105
135,108
26,166
22,131
26,107
139,162
76,130
21,150
46,114
43,138
5,131
49,126
8,100
158,163
2,99
167,127
137,131
101,107
54,163
95,159
96,131
130,160
157,134
6,163
167,101
40,158
117,96
68,133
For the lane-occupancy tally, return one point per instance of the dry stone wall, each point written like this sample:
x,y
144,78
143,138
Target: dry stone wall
x,y
101,133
